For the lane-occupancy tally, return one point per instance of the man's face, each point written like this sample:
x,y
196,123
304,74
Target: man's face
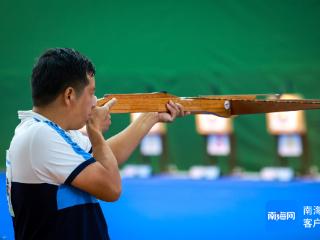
x,y
84,104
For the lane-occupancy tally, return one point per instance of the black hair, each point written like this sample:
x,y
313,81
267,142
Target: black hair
x,y
57,69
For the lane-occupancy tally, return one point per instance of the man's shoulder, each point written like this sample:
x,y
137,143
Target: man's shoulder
x,y
32,131
33,135
39,129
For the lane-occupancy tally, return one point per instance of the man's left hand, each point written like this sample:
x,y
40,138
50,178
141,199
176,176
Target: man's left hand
x,y
175,110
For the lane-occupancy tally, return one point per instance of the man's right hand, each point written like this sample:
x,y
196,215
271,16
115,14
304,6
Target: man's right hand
x,y
100,119
101,178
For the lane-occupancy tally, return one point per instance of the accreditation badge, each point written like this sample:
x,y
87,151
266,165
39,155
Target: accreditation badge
x,y
8,182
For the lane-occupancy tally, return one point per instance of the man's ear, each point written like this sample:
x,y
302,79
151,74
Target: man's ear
x,y
69,95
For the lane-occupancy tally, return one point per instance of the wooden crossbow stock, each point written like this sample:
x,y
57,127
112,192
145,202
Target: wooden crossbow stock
x,y
220,105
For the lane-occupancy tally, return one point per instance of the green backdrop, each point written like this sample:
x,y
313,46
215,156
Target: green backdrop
x,y
184,47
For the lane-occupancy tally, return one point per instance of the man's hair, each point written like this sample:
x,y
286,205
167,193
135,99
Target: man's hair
x,y
57,69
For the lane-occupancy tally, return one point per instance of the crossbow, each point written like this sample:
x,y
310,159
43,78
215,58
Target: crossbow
x,y
220,105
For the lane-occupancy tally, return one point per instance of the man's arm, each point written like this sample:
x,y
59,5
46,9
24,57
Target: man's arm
x,y
101,178
125,142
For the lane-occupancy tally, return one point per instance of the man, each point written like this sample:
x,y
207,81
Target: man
x,y
55,174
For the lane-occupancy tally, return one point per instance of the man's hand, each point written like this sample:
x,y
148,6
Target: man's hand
x,y
101,178
100,119
175,110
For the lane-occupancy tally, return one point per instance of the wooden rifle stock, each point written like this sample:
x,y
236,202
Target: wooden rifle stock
x,y
223,106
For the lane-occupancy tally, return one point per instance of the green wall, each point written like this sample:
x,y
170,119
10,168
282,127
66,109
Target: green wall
x,y
184,47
